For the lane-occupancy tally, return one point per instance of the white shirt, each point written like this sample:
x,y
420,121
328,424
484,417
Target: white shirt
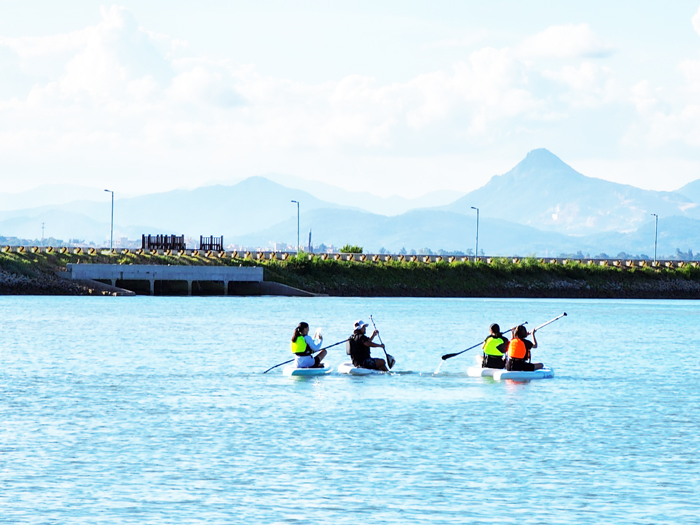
x,y
307,361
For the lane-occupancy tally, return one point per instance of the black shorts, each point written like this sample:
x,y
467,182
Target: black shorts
x,y
370,363
493,361
520,365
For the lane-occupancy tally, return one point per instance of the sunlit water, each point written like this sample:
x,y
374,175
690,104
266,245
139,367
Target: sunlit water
x,y
155,410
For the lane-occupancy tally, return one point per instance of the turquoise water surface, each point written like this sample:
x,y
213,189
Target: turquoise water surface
x,y
155,410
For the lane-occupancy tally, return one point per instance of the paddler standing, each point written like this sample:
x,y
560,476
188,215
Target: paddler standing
x,y
494,349
303,346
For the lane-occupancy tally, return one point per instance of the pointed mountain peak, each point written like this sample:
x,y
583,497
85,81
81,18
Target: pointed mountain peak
x,y
542,158
541,166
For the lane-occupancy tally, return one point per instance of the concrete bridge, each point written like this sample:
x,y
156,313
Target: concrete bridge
x,y
153,279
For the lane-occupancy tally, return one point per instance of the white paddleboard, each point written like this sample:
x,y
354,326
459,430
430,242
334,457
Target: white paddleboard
x,y
350,369
292,370
542,373
477,371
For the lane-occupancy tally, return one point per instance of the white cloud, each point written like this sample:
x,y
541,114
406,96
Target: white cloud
x,y
691,71
565,41
115,80
643,97
115,92
588,85
680,128
696,22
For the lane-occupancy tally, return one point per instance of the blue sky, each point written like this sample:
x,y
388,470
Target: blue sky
x,y
389,97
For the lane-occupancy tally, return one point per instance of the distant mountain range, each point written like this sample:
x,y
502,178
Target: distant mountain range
x,y
540,207
364,200
691,191
544,192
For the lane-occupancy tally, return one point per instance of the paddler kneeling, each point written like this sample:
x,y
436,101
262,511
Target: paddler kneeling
x,y
303,346
360,346
494,349
519,351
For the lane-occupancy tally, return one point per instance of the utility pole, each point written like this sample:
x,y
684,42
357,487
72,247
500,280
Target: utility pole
x,y
476,254
656,232
111,224
298,247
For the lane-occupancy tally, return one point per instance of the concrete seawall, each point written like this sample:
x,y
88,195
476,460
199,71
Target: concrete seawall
x,y
151,279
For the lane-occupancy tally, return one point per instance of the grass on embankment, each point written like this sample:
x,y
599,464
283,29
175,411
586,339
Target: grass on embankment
x,y
501,278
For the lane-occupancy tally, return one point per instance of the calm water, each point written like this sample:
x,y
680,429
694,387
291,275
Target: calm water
x,y
155,410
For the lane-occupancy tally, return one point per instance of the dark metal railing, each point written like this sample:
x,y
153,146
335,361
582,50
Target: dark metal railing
x,y
163,242
211,243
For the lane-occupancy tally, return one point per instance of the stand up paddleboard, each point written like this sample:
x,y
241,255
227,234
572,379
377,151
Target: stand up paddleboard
x,y
501,374
477,371
292,370
542,373
350,369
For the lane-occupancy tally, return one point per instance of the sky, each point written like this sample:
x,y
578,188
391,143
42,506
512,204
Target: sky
x,y
390,97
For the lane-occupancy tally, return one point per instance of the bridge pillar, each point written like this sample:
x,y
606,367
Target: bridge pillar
x,y
152,286
226,287
189,287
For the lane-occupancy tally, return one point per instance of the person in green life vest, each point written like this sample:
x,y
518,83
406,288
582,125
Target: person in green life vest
x,y
495,347
303,346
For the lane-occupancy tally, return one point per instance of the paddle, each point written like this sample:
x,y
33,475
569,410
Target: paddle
x,y
549,322
326,348
450,356
389,362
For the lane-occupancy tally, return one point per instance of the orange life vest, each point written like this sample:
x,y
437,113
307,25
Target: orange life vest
x,y
517,349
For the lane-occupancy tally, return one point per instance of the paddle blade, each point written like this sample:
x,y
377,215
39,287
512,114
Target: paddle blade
x,y
448,356
391,361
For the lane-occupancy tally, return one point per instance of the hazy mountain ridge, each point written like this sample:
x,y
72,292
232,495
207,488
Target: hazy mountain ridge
x,y
535,208
544,192
393,205
418,229
691,191
51,195
451,231
253,204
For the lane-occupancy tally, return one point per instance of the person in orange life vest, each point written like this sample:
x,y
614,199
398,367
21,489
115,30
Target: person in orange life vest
x,y
494,349
303,346
519,351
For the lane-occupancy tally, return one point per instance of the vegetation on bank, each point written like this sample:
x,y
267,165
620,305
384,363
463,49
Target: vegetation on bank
x,y
500,278
351,249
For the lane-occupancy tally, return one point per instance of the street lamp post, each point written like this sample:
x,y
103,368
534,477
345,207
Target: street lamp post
x,y
297,226
656,232
111,224
476,254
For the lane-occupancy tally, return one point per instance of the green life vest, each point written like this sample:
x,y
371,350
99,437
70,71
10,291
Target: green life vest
x,y
491,346
299,347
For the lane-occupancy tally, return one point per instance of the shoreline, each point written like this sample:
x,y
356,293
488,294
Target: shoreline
x,y
38,274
